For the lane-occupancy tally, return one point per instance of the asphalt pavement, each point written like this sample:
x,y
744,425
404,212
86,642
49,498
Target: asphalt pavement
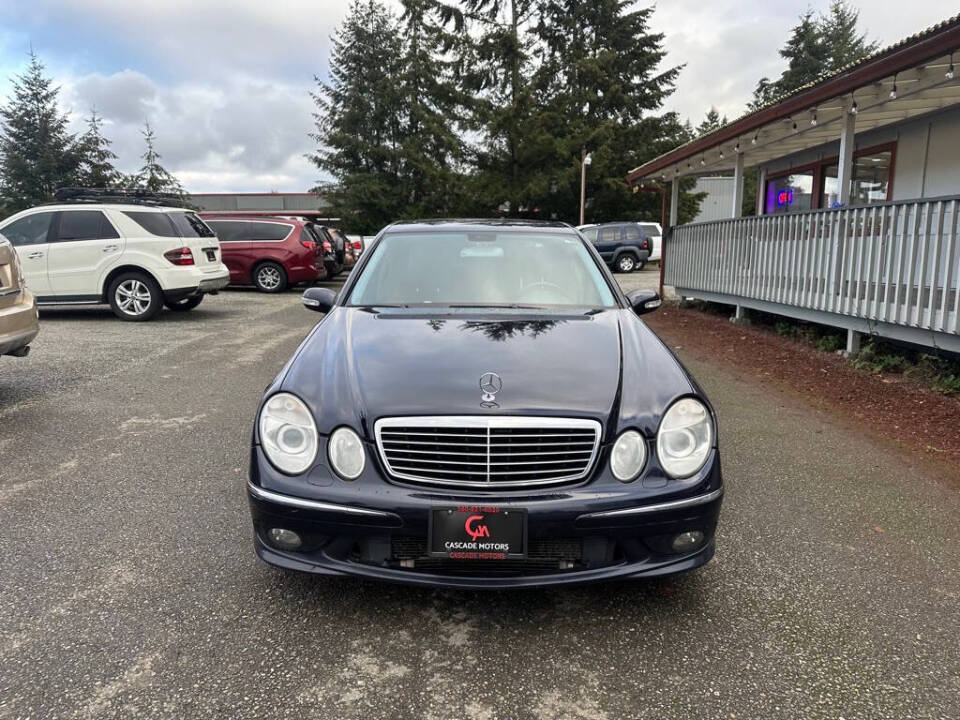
x,y
129,587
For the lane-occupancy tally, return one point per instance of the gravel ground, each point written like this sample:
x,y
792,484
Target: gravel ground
x,y
128,585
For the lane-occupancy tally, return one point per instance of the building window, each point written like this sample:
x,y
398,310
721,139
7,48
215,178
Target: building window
x,y
870,182
790,193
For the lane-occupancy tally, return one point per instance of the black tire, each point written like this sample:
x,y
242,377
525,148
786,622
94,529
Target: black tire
x,y
641,265
626,263
184,305
270,277
135,297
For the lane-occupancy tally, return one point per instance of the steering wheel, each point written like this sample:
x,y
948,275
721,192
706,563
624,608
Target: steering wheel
x,y
560,294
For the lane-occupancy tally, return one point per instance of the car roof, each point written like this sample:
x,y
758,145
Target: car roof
x,y
501,224
122,207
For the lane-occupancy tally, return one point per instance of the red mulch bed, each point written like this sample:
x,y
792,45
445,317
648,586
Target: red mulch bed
x,y
921,422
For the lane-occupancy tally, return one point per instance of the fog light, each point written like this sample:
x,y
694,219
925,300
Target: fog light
x,y
687,541
284,539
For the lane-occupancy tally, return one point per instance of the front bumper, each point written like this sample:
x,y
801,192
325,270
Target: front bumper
x,y
575,535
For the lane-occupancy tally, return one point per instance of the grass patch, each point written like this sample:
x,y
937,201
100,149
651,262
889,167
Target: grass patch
x,y
941,374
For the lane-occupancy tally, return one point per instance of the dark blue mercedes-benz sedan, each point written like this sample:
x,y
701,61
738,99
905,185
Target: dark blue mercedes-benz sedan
x,y
481,406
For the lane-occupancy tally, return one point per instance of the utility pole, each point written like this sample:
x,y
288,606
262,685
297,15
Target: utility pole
x,y
585,160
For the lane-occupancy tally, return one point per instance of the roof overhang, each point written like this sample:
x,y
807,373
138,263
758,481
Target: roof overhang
x,y
812,116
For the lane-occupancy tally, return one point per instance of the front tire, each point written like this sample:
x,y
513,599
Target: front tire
x,y
626,263
184,305
270,277
135,297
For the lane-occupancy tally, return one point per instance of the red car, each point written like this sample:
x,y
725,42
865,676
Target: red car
x,y
271,253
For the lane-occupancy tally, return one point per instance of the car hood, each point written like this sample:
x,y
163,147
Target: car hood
x,y
359,366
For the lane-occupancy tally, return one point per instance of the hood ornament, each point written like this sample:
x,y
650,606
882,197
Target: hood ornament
x,y
490,385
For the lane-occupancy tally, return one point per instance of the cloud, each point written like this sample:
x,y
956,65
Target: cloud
x,y
225,83
240,134
728,45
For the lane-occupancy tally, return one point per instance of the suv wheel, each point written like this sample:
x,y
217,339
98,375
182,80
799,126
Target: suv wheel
x,y
270,277
135,297
626,263
187,303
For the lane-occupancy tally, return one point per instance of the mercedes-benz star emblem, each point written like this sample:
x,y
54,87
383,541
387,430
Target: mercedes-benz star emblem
x,y
490,384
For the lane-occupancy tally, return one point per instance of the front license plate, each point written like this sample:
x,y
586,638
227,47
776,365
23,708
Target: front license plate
x,y
478,532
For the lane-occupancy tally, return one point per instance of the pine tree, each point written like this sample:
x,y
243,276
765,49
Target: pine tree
x,y
843,43
711,122
494,70
432,149
817,47
37,153
599,83
153,177
359,117
96,169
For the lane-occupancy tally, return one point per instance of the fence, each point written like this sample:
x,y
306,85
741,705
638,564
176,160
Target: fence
x,y
888,269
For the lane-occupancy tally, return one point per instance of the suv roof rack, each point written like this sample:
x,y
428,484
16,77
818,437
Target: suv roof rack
x,y
132,196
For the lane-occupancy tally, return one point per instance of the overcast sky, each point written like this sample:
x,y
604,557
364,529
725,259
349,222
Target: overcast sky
x,y
225,83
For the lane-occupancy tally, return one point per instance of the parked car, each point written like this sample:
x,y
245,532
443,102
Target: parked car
x,y
654,234
136,257
271,253
623,246
440,427
344,254
19,323
358,242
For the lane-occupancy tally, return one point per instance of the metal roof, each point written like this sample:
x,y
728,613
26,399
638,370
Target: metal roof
x,y
801,119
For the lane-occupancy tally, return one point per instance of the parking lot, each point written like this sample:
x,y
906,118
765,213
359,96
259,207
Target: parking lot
x,y
129,587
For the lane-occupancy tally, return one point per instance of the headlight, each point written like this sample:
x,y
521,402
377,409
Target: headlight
x,y
288,434
685,438
346,453
629,455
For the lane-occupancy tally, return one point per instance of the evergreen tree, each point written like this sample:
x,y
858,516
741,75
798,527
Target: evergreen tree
x,y
817,46
599,83
153,177
843,43
432,149
37,153
359,120
96,168
711,122
495,69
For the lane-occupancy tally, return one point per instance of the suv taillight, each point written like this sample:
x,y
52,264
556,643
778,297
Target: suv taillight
x,y
644,245
180,256
308,244
327,247
357,245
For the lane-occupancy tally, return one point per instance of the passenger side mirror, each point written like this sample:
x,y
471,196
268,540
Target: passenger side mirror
x,y
319,299
643,301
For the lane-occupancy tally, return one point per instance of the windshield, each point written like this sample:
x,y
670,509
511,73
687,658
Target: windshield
x,y
482,269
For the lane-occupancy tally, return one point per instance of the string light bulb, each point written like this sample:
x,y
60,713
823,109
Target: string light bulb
x,y
854,109
813,117
949,73
893,90
794,125
756,137
721,154
703,161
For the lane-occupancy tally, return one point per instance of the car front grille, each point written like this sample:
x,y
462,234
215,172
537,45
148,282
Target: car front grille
x,y
485,452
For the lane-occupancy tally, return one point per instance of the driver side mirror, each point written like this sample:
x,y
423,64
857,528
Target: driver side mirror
x,y
319,299
644,301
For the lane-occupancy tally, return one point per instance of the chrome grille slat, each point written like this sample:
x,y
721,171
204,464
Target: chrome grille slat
x,y
488,451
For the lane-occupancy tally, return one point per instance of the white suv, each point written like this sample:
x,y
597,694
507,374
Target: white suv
x,y
135,257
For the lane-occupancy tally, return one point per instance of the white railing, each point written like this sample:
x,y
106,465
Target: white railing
x,y
896,263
